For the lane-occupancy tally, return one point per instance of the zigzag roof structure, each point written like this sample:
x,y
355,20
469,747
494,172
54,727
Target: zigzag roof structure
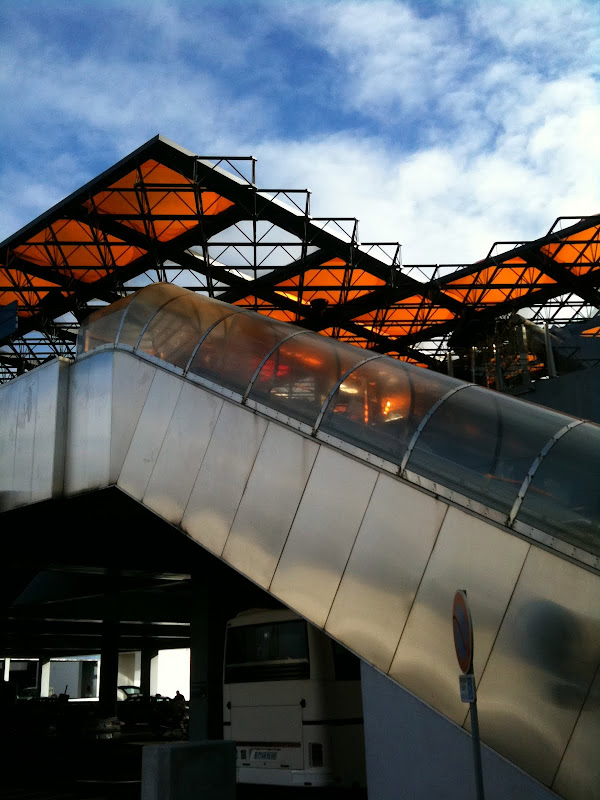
x,y
166,214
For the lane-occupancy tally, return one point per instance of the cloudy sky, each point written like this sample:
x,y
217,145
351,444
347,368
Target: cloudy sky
x,y
443,125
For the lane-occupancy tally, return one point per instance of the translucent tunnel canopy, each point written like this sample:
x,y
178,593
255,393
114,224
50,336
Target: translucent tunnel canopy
x,y
235,348
478,443
141,309
379,406
482,444
563,498
301,372
101,327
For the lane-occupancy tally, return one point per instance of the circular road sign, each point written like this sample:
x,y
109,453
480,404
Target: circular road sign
x,y
462,627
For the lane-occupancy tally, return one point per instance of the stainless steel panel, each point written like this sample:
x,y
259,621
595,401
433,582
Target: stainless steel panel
x,y
468,554
385,569
9,406
87,458
578,777
28,396
50,430
182,451
269,503
542,665
321,538
132,378
223,475
149,433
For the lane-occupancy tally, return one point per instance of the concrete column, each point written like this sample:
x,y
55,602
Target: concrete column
x,y
207,636
45,679
109,668
146,656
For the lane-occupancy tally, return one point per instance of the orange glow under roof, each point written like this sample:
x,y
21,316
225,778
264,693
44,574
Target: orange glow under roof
x,y
163,213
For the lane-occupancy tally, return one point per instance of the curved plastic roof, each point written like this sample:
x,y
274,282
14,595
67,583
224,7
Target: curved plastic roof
x,y
164,213
534,465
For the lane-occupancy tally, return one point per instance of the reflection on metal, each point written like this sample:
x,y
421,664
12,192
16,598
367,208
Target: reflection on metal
x,y
541,668
534,467
381,578
269,504
484,560
323,533
266,358
337,386
204,335
424,421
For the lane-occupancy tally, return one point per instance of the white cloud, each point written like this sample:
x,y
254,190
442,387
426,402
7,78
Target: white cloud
x,y
463,134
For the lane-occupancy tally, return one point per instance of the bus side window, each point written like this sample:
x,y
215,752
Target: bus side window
x,y
346,666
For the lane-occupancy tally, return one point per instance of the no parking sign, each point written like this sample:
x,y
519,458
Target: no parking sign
x,y
462,627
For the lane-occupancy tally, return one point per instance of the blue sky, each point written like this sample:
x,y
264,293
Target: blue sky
x,y
443,125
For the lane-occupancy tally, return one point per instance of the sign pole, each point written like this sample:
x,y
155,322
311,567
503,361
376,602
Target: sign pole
x,y
476,749
462,627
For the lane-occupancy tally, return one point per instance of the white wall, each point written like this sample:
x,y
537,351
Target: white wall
x,y
172,673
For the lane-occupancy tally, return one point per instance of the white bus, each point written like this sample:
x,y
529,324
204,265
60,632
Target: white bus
x,y
292,703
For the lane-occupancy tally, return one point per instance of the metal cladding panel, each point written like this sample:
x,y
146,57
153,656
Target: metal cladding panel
x,y
543,663
385,569
24,445
468,554
182,451
321,538
578,777
87,457
50,430
223,476
149,433
9,405
269,503
32,435
132,378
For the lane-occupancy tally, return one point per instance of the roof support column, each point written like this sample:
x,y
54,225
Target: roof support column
x,y
109,663
207,637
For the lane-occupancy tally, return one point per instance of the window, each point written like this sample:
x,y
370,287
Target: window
x,y
267,652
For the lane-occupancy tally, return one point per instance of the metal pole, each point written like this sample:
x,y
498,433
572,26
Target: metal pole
x,y
476,750
550,365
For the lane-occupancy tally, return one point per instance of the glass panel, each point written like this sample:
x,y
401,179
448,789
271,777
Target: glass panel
x,y
269,652
300,374
379,406
233,350
101,327
481,444
179,325
563,498
143,304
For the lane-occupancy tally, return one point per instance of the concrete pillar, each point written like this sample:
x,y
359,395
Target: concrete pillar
x,y
126,676
45,679
146,656
207,637
109,668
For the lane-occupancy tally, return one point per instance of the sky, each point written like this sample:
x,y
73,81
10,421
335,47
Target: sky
x,y
443,125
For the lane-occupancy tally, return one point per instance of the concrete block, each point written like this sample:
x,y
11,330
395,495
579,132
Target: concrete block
x,y
186,770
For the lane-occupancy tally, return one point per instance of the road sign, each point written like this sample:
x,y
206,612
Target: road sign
x,y
462,628
467,688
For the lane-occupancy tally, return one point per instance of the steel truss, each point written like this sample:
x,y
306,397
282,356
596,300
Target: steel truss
x,y
165,214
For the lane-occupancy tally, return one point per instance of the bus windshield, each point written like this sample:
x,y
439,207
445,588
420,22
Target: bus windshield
x,y
271,651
